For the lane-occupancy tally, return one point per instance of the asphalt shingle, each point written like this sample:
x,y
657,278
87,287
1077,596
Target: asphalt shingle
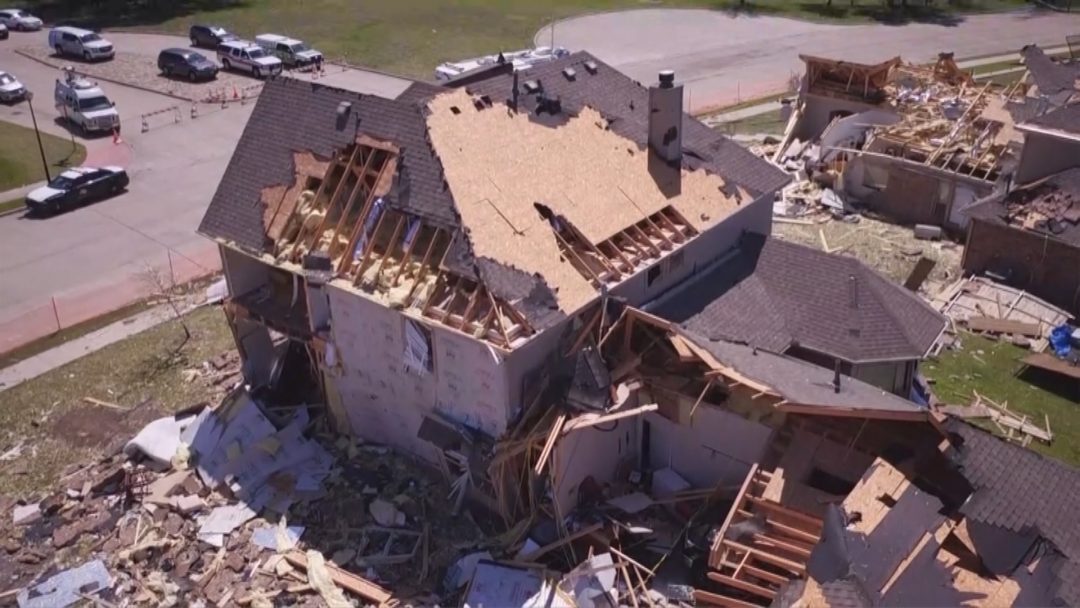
x,y
1021,490
775,295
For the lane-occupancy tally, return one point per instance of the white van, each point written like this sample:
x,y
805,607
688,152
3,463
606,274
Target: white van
x,y
80,43
247,57
83,104
291,51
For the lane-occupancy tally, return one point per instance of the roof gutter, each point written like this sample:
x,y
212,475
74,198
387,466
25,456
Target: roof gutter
x,y
1030,128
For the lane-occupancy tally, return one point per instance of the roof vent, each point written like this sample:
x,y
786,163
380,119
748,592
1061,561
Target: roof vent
x,y
570,73
591,67
532,86
344,108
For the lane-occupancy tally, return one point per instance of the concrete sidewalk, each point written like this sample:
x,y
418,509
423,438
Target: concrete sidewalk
x,y
67,352
14,193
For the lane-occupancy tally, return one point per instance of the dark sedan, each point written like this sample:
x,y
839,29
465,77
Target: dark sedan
x,y
209,36
186,63
76,187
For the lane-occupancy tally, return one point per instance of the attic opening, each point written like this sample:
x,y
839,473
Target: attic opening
x,y
330,210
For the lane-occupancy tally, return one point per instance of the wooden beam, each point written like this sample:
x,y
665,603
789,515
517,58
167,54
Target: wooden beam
x,y
714,553
765,556
346,580
701,397
352,201
675,229
769,505
536,553
423,265
470,307
636,246
322,188
439,281
588,420
780,544
390,246
648,241
742,585
786,530
333,197
369,202
826,410
499,318
764,575
408,253
622,256
660,233
549,445
370,247
574,253
585,331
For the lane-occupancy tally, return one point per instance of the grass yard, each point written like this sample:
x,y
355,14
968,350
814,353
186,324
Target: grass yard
x,y
145,372
20,161
413,36
767,123
989,366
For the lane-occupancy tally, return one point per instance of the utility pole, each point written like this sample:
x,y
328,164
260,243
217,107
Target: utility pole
x,y
41,148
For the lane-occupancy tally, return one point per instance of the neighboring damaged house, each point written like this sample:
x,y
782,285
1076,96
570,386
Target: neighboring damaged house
x,y
398,258
1003,535
916,144
1030,237
830,310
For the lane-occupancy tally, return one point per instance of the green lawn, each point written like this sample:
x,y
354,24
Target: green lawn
x,y
991,372
768,123
413,36
48,414
20,161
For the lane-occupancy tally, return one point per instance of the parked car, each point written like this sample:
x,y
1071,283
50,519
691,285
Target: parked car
x,y
209,36
19,20
245,56
78,42
11,90
291,51
76,187
3,32
83,104
186,63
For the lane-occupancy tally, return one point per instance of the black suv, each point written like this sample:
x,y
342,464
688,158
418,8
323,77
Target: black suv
x,y
209,36
186,63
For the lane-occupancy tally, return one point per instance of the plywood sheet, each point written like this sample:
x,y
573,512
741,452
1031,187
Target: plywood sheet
x,y
499,163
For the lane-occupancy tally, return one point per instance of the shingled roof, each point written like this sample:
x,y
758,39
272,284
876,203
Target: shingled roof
x,y
1065,119
294,116
776,295
1021,491
624,102
1055,80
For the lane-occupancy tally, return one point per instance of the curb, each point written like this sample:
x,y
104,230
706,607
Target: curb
x,y
13,211
106,79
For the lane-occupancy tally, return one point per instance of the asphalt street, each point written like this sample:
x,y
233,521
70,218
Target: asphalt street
x,y
723,59
94,259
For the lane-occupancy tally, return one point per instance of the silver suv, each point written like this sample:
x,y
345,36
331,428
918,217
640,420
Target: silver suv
x,y
245,56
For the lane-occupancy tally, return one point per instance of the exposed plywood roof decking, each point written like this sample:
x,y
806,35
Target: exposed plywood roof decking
x,y
596,180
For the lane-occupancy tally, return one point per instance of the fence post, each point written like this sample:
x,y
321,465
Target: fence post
x,y
56,314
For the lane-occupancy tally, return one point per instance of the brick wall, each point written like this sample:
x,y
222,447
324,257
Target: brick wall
x,y
1044,266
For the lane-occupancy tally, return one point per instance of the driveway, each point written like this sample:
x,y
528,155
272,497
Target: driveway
x,y
723,59
95,259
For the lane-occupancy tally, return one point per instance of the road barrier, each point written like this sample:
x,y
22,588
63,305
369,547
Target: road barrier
x,y
174,110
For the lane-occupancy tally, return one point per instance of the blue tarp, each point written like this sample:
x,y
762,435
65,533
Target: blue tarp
x,y
1060,337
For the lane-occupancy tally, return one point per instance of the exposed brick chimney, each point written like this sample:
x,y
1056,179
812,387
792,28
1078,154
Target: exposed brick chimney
x,y
665,133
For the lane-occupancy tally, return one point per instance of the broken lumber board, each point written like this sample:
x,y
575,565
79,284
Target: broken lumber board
x,y
1004,326
101,403
587,530
549,445
1052,364
587,420
346,580
742,585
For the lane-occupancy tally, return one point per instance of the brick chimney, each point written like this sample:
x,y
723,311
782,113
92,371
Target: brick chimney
x,y
665,133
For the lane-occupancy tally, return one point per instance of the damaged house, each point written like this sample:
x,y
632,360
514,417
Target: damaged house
x,y
918,144
1029,237
395,258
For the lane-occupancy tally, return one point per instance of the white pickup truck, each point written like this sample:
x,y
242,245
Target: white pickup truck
x,y
83,104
